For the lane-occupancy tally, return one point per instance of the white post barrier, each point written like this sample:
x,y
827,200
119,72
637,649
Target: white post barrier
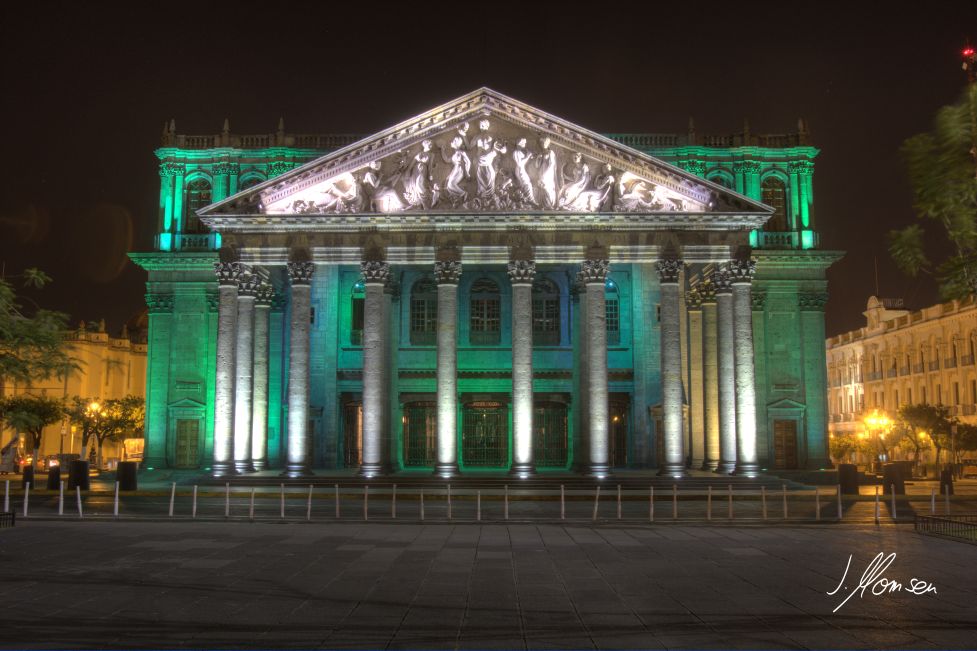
x,y
563,509
506,512
892,489
708,503
817,503
675,501
227,500
78,495
596,501
729,514
618,501
194,513
115,505
308,506
651,504
763,501
251,506
337,501
449,501
784,488
366,502
6,495
932,501
282,501
172,497
478,506
422,505
876,504
27,496
840,511
393,503
61,500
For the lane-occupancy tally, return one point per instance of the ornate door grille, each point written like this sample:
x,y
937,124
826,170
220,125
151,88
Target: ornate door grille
x,y
550,435
420,434
485,435
352,434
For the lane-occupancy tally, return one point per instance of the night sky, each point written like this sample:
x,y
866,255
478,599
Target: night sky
x,y
86,91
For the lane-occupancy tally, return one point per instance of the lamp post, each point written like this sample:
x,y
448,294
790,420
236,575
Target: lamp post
x,y
879,425
95,410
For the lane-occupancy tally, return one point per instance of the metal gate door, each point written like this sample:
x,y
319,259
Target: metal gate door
x,y
484,435
550,435
352,434
420,434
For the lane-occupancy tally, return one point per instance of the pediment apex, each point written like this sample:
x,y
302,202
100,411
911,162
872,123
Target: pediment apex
x,y
485,152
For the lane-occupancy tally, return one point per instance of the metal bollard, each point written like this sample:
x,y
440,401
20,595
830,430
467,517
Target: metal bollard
x,y
674,501
27,496
393,503
172,497
618,501
422,505
817,504
763,501
876,505
449,501
227,500
784,486
651,504
337,501
251,506
840,511
78,495
729,514
308,506
892,489
563,510
194,512
6,495
932,501
596,501
282,500
366,502
115,505
61,500
478,506
506,513
709,503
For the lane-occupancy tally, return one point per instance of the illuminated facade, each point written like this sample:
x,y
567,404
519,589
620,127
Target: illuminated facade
x,y
902,357
486,287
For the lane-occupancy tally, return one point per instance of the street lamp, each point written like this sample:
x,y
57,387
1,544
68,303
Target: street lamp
x,y
879,426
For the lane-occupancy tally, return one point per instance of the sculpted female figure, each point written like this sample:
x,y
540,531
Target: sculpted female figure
x,y
461,169
547,175
417,192
578,177
521,157
487,149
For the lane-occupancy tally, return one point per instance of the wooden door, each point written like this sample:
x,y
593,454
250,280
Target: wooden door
x,y
785,444
187,443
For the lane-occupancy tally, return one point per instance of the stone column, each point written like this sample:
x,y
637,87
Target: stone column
x,y
741,275
376,275
299,437
593,273
447,274
710,373
521,273
726,381
247,288
671,359
259,409
697,425
227,273
815,380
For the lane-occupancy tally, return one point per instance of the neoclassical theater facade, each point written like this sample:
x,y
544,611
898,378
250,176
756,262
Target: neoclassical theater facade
x,y
486,288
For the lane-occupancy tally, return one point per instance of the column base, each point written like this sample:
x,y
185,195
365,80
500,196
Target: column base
x,y
522,470
296,470
747,470
242,467
673,470
725,467
446,470
710,465
259,465
368,470
599,470
222,469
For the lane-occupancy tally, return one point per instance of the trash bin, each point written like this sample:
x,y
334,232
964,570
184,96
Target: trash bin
x,y
125,474
28,477
946,482
848,478
54,478
78,475
892,479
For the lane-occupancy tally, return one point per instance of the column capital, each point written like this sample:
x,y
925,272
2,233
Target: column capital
x,y
747,167
669,269
247,283
594,271
300,273
264,295
447,272
693,299
226,167
375,272
707,292
812,301
721,281
227,273
522,272
800,167
758,300
741,272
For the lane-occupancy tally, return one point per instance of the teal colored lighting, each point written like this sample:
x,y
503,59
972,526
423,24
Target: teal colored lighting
x,y
807,239
165,241
754,239
217,240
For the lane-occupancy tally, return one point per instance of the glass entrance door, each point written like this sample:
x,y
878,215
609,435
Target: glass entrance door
x,y
484,435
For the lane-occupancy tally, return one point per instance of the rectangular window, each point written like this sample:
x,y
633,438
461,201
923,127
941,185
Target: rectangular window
x,y
956,393
546,321
939,394
973,392
423,321
909,396
613,320
486,322
356,322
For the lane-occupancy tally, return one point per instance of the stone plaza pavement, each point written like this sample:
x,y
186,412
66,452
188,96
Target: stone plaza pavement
x,y
84,584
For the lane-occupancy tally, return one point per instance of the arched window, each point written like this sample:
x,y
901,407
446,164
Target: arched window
x,y
774,194
198,196
423,313
546,313
722,179
485,324
357,305
612,310
249,182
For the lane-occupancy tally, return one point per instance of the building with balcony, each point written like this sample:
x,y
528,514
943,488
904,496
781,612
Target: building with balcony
x,y
486,287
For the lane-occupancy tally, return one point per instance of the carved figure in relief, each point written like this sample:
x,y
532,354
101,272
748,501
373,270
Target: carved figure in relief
x,y
577,176
417,188
547,175
593,200
461,169
634,194
521,157
386,198
487,150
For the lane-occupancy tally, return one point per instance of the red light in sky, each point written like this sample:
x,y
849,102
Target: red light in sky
x,y
968,52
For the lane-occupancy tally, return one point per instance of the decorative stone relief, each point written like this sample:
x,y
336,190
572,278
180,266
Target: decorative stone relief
x,y
226,168
812,301
373,271
226,272
248,282
800,167
159,303
447,272
594,271
759,300
693,299
721,281
278,167
171,169
669,270
741,271
265,295
522,272
300,273
707,292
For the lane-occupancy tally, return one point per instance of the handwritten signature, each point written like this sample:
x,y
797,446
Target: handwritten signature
x,y
873,581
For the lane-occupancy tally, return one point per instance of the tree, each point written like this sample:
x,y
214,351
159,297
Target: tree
x,y
31,414
110,420
33,346
935,420
943,175
965,440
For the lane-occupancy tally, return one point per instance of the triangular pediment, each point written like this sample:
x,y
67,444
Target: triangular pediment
x,y
485,153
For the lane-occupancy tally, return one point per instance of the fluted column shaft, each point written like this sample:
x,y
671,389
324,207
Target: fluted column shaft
x,y
375,277
697,423
224,377
447,275
725,357
710,373
521,273
673,465
259,408
746,432
297,457
247,287
594,275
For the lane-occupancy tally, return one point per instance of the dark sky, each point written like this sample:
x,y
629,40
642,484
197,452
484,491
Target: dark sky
x,y
86,90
